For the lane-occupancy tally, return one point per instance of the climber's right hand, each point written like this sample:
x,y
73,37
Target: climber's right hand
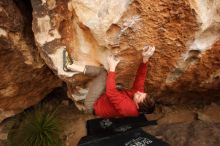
x,y
147,52
113,62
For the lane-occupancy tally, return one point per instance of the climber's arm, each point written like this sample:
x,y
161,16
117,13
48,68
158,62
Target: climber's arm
x,y
140,78
141,74
122,104
111,90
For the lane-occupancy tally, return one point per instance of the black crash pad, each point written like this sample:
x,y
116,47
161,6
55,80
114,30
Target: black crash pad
x,y
105,127
134,137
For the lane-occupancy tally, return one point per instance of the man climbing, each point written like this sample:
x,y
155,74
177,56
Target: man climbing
x,y
114,102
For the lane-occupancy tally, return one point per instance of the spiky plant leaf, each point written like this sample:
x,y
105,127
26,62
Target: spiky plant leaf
x,y
39,128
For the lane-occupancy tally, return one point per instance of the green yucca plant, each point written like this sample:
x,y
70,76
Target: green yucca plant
x,y
39,128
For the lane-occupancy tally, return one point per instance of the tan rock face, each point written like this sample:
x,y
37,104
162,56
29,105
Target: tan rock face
x,y
186,35
25,79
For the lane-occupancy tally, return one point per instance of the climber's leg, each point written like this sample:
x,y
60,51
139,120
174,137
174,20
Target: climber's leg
x,y
70,65
76,67
93,70
96,87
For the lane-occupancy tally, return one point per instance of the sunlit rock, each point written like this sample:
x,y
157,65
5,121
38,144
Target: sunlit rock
x,y
185,33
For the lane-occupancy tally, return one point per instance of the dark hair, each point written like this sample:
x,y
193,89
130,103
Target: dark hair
x,y
147,106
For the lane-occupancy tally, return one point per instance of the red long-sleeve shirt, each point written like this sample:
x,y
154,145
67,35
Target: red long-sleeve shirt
x,y
115,103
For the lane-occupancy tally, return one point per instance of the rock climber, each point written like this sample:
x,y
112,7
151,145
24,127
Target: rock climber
x,y
105,100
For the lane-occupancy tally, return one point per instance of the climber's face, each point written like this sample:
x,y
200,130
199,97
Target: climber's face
x,y
139,97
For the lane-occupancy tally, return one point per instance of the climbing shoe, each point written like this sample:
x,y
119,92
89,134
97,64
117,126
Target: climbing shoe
x,y
66,60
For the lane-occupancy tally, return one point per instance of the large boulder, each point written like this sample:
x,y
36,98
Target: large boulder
x,y
185,67
25,79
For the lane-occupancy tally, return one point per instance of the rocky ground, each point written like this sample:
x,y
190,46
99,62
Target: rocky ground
x,y
190,125
181,128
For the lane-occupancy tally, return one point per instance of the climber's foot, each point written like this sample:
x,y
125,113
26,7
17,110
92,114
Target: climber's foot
x,y
66,61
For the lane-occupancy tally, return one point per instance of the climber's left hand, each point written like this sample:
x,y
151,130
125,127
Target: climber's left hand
x,y
113,62
147,52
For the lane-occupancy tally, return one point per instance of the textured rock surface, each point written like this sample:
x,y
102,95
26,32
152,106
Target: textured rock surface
x,y
178,117
25,79
210,114
185,33
197,133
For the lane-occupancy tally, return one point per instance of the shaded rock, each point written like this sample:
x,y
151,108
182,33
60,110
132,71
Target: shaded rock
x,y
5,127
25,79
154,116
197,133
210,114
183,116
65,102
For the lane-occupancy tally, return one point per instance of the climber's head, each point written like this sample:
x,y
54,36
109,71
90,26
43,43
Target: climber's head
x,y
144,102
